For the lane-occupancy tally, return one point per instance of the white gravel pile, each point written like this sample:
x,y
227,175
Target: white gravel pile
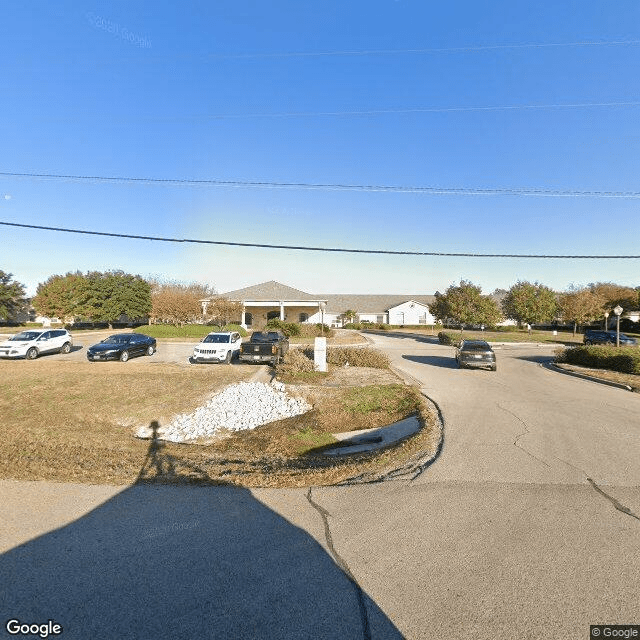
x,y
241,406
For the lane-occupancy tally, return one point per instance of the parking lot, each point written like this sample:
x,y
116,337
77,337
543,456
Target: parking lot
x,y
167,351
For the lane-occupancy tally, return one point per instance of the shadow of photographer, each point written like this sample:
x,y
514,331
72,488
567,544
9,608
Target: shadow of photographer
x,y
160,560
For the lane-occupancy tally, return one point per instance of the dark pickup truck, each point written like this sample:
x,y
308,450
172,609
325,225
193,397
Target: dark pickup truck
x,y
264,346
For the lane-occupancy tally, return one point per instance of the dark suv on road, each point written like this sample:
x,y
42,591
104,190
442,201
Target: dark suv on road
x,y
598,336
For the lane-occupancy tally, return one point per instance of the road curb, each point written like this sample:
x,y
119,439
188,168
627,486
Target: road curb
x,y
584,376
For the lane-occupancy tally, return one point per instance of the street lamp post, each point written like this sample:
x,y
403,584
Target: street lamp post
x,y
618,311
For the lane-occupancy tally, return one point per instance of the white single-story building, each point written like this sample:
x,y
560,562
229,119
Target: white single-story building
x,y
267,300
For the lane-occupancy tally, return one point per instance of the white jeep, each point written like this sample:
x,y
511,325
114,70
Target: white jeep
x,y
31,343
218,347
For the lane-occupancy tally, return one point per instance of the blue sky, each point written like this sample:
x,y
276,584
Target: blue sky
x,y
395,92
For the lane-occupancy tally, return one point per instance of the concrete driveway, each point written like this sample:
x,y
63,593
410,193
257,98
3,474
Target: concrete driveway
x,y
527,526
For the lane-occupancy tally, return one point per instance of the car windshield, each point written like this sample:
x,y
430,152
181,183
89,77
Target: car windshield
x,y
261,336
26,335
116,340
217,338
475,346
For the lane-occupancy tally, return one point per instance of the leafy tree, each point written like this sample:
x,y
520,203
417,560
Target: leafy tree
x,y
349,315
11,295
465,304
178,303
61,296
580,305
530,303
96,296
112,294
615,294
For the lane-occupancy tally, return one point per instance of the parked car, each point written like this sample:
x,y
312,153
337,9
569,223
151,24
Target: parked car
x,y
122,346
34,342
218,347
475,353
264,346
598,336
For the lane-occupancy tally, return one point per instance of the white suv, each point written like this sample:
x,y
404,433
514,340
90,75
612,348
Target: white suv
x,y
31,343
218,347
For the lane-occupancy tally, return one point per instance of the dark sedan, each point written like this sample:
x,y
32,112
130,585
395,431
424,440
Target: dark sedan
x,y
594,336
475,353
122,346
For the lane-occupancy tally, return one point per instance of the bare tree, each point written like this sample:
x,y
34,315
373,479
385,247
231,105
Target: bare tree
x,y
225,311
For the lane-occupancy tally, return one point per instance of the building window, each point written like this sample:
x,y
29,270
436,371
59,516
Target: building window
x,y
248,318
273,315
303,317
380,319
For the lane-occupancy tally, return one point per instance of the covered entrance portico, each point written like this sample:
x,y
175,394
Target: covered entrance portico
x,y
257,313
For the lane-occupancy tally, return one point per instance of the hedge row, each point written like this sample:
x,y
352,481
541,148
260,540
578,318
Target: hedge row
x,y
301,360
378,326
295,329
446,337
623,359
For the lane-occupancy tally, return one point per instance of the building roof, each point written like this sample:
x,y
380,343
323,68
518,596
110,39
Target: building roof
x,y
336,302
271,290
371,303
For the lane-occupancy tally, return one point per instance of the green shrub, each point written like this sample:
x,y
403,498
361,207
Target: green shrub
x,y
623,359
288,328
353,325
446,337
354,356
508,328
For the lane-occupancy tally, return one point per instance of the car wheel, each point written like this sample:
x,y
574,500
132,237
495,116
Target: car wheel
x,y
150,350
276,361
32,354
494,368
124,356
227,358
66,348
588,342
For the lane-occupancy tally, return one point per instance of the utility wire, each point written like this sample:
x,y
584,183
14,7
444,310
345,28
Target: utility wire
x,y
468,49
323,249
377,112
499,191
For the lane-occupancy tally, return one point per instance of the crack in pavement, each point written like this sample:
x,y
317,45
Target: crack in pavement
x,y
524,433
619,506
324,514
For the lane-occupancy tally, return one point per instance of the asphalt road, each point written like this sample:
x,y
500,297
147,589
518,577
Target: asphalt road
x,y
526,526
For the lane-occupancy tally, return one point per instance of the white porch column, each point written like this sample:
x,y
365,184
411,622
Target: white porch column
x,y
243,318
281,310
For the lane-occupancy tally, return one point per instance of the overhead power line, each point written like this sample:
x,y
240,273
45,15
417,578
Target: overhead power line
x,y
266,184
322,249
380,112
431,50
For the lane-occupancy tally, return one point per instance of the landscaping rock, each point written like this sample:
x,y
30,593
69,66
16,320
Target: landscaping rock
x,y
241,406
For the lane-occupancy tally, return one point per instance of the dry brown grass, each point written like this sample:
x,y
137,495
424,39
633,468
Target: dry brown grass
x,y
73,421
630,379
66,421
